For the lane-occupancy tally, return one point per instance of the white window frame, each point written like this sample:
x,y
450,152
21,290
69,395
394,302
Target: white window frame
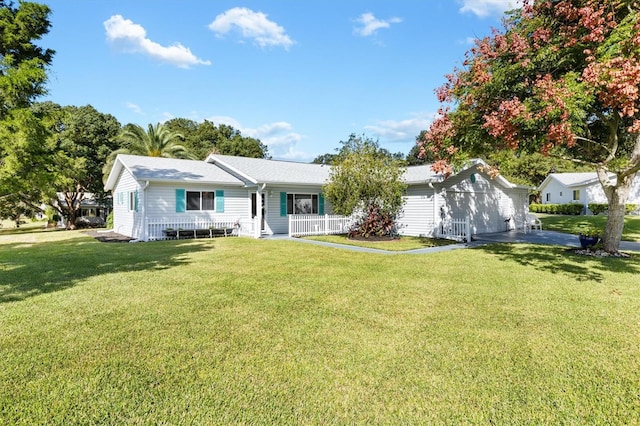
x,y
576,195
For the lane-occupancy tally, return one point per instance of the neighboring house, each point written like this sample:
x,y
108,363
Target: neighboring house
x,y
89,206
258,196
581,188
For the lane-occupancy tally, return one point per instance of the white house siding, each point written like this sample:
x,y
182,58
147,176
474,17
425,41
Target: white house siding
x,y
161,201
557,193
125,220
275,223
484,201
417,218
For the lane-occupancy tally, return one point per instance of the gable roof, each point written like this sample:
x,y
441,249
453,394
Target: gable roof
x,y
158,169
572,180
421,174
259,170
244,171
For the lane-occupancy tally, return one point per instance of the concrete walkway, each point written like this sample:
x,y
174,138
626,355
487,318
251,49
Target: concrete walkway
x,y
542,237
533,237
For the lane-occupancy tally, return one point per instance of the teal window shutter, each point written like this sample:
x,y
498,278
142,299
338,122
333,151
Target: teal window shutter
x,y
219,201
283,204
135,201
181,201
320,204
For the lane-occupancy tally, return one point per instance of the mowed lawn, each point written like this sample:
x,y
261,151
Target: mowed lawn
x,y
243,331
573,224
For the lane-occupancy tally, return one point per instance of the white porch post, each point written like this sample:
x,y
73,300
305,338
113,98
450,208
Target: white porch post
x,y
258,225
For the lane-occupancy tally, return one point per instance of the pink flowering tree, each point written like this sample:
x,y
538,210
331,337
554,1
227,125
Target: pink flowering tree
x,y
563,78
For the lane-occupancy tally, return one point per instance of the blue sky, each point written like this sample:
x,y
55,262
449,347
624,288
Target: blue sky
x,y
300,75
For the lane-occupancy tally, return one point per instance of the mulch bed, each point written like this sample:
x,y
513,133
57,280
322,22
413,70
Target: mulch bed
x,y
599,253
374,238
108,237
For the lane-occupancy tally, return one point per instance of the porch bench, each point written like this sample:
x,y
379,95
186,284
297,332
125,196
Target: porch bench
x,y
198,233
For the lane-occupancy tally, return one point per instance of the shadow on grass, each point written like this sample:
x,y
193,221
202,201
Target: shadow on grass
x,y
560,260
27,270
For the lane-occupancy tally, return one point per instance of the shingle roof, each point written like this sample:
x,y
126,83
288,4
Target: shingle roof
x,y
575,179
169,170
421,174
258,170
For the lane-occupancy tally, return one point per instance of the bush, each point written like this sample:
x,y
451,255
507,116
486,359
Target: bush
x,y
110,220
569,209
597,208
89,222
374,223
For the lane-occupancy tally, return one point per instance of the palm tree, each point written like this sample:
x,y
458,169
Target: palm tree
x,y
157,141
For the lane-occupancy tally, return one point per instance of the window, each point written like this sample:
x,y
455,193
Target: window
x,y
201,200
548,197
561,193
302,203
576,195
133,201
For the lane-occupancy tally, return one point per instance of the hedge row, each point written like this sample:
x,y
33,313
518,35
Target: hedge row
x,y
597,208
575,209
570,208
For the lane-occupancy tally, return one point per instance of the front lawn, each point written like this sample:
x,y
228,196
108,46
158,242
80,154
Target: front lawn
x,y
403,243
243,331
573,224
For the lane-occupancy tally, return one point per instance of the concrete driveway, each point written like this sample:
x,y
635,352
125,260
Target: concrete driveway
x,y
541,237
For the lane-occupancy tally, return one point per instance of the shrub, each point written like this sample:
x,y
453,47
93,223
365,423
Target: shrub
x,y
374,223
570,208
89,222
597,208
110,221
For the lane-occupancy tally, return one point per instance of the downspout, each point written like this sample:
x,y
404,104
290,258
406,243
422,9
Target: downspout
x,y
435,207
259,202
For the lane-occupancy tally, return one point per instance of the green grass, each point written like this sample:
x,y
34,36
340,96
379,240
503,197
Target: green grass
x,y
242,331
403,243
573,224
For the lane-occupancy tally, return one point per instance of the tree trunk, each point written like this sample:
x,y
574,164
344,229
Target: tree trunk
x,y
617,196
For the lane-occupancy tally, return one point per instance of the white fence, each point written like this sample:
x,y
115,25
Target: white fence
x,y
303,224
455,229
176,228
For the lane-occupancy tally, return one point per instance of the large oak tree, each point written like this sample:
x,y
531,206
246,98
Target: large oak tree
x,y
562,78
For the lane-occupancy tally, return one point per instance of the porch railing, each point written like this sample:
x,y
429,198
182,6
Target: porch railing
x,y
301,224
455,229
172,228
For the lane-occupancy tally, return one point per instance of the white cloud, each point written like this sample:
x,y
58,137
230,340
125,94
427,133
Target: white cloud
x,y
369,24
134,37
279,137
401,131
133,107
252,25
483,8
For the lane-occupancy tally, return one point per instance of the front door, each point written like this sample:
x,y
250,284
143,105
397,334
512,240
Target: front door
x,y
254,210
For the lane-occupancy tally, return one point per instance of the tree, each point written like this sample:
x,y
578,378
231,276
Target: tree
x,y
206,138
365,179
157,141
561,78
24,151
326,159
82,139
